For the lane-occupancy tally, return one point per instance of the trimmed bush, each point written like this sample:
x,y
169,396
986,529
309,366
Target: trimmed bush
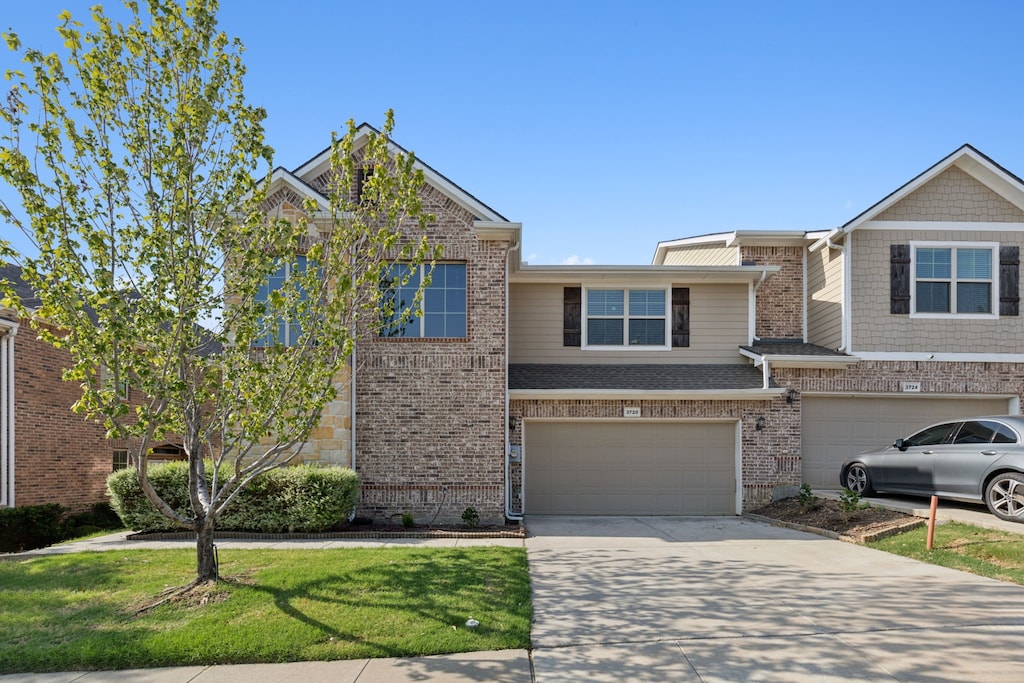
x,y
302,498
31,526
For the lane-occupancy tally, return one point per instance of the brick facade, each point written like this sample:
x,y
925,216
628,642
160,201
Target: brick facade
x,y
60,457
430,414
780,298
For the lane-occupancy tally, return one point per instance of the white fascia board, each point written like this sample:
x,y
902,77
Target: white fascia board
x,y
283,177
660,274
9,326
798,361
498,231
758,394
958,226
666,246
824,238
768,238
901,394
941,357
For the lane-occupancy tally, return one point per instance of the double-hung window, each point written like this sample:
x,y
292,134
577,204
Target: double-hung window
x,y
627,318
954,279
285,329
442,310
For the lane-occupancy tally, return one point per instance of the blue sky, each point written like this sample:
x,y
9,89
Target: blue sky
x,y
605,127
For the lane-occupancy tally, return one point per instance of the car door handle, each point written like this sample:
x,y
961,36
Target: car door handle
x,y
990,452
927,452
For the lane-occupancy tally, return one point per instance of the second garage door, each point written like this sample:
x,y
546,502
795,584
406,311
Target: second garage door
x,y
837,427
630,468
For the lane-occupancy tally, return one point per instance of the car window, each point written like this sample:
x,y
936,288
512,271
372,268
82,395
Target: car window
x,y
931,436
1003,434
973,431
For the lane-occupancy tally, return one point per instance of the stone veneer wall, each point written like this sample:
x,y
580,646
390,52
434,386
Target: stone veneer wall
x,y
771,457
780,298
430,414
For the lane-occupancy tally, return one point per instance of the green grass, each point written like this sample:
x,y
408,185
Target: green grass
x,y
995,554
77,611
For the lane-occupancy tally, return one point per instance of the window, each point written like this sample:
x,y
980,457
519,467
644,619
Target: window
x,y
984,432
953,280
626,317
442,311
120,459
932,436
282,330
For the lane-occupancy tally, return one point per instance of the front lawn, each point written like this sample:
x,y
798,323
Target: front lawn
x,y
78,611
995,554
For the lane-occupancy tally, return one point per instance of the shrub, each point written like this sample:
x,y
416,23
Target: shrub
x,y
100,517
303,498
31,526
806,497
407,520
470,517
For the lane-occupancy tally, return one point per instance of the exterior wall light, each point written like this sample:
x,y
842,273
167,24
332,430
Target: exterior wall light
x,y
759,425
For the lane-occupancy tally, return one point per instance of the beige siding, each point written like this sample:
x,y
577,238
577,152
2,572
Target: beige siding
x,y
953,196
825,297
718,326
702,255
874,328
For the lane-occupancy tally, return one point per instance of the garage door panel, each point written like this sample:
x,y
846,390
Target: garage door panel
x,y
630,468
835,428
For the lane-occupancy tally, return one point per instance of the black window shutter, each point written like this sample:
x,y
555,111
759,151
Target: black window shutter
x,y
1009,280
899,279
680,317
572,308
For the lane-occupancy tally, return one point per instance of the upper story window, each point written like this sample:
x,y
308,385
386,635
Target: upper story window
x,y
283,330
627,318
954,279
442,311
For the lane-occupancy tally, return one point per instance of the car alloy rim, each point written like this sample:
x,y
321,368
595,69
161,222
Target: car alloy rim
x,y
856,478
1007,496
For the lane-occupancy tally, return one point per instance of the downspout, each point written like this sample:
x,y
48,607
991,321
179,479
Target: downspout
x,y
844,342
509,515
766,374
7,414
752,306
352,407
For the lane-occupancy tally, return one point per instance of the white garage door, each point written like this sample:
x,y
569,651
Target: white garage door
x,y
632,468
837,427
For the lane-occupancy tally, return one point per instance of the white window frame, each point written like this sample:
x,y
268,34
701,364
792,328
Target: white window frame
x,y
626,317
954,246
421,318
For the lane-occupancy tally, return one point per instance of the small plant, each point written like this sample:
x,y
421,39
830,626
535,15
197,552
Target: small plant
x,y
850,502
806,498
407,520
470,517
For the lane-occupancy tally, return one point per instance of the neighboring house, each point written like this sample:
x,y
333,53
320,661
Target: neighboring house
x,y
718,378
48,454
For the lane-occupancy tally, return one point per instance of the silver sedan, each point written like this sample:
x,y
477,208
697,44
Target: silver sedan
x,y
974,459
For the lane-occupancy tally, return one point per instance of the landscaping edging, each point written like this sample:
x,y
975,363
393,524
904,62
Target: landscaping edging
x,y
518,532
860,539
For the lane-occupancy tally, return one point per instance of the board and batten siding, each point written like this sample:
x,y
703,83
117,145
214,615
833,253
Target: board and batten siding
x,y
825,298
874,328
718,326
703,255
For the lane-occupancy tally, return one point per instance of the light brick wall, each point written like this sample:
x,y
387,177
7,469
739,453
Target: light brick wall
x,y
770,457
953,195
430,414
780,299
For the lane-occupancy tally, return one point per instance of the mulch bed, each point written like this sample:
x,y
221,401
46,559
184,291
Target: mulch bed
x,y
357,531
827,517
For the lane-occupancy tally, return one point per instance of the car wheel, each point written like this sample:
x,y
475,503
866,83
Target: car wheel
x,y
1004,496
858,479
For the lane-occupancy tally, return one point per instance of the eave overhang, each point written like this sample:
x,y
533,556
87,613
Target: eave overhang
x,y
681,274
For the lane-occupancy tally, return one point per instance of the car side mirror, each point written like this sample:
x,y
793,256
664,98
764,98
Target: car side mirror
x,y
900,444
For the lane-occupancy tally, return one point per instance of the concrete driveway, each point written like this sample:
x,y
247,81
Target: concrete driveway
x,y
731,599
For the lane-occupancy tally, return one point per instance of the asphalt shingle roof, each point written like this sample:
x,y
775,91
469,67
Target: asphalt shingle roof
x,y
769,347
636,377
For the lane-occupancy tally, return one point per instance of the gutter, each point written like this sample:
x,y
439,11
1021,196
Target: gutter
x,y
7,412
509,515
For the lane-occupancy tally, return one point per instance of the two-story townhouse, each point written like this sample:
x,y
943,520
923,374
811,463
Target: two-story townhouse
x,y
421,414
905,315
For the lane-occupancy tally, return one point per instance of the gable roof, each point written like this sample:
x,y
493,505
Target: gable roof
x,y
969,160
321,162
12,274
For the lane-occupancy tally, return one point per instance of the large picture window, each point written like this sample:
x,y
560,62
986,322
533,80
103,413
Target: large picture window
x,y
954,280
626,317
282,330
442,311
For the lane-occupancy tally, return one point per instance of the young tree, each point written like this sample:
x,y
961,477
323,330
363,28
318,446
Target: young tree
x,y
134,153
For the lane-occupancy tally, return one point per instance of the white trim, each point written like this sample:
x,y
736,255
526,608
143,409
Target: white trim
x,y
751,313
615,275
803,312
846,333
904,395
7,413
953,280
758,394
943,226
941,357
738,464
800,361
626,317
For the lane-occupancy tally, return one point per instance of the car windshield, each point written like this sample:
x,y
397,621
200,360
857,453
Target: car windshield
x,y
931,436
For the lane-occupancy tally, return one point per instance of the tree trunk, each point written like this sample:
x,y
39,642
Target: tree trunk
x,y
206,554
